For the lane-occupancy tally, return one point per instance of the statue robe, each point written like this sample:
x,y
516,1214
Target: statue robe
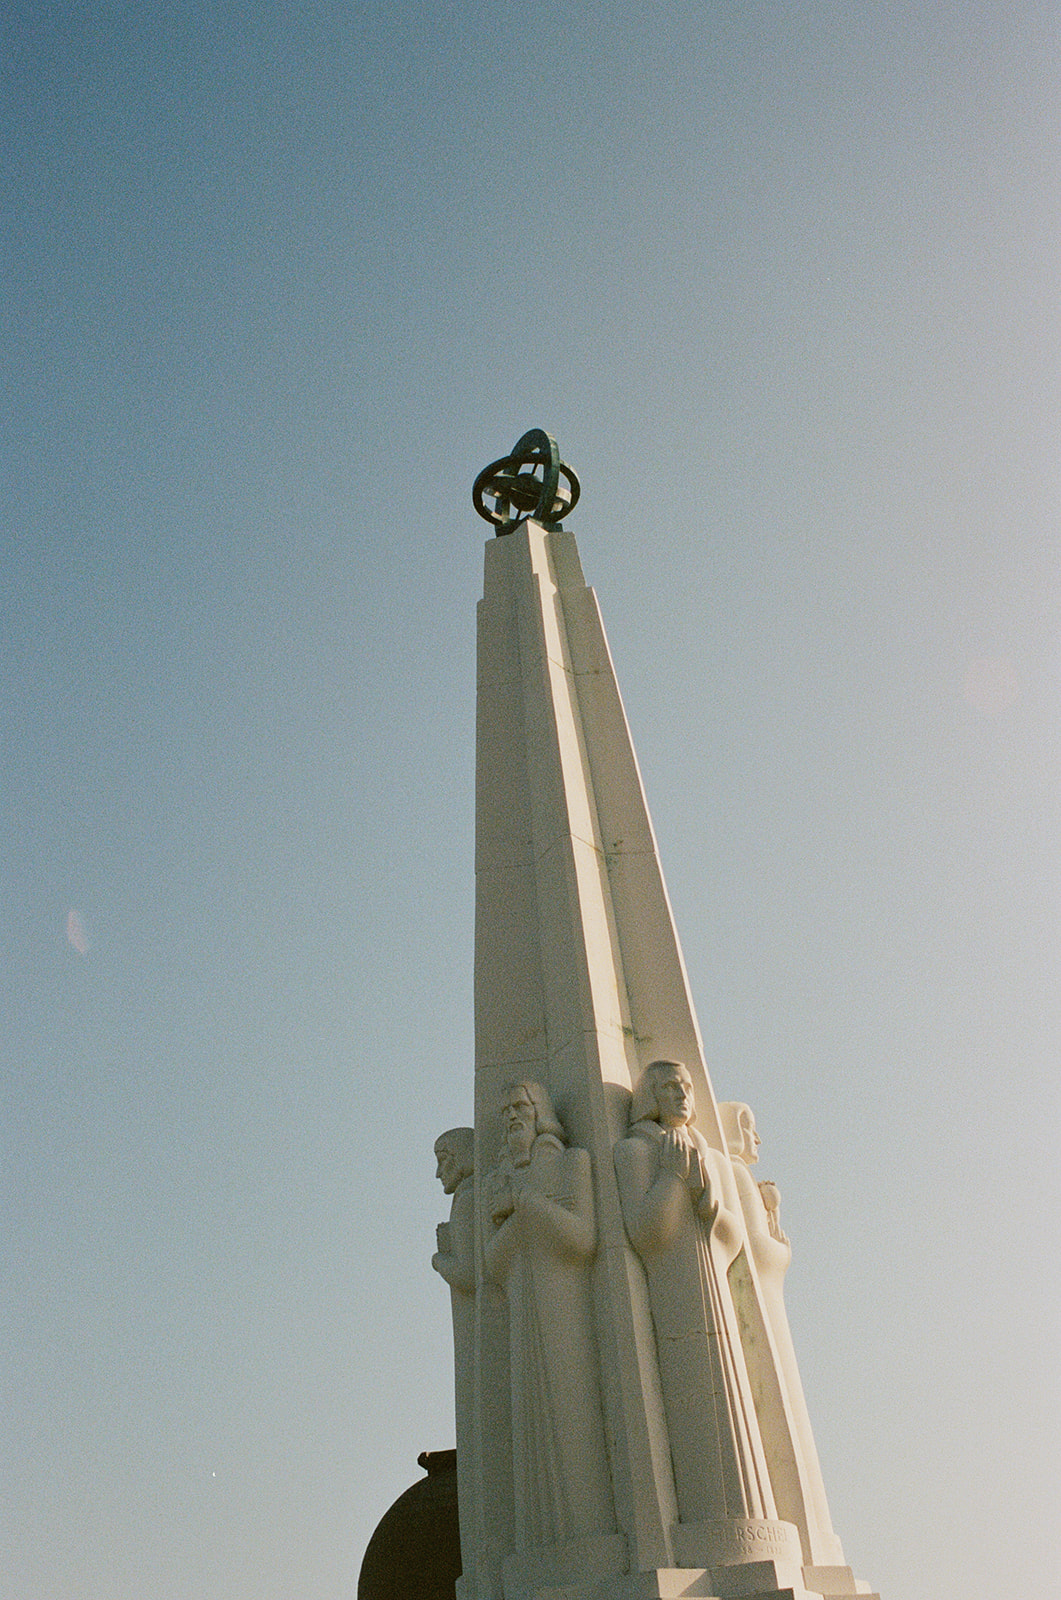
x,y
540,1255
717,1452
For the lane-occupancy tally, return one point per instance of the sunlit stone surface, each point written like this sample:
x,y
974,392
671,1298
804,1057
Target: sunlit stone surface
x,y
629,1410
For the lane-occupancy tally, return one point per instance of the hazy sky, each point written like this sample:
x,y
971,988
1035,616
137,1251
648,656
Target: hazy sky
x,y
277,282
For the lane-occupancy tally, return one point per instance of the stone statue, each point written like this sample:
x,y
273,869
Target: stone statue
x,y
540,1236
769,1352
455,1257
454,1260
682,1214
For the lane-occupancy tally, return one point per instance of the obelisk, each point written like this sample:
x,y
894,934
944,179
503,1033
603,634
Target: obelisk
x,y
621,1336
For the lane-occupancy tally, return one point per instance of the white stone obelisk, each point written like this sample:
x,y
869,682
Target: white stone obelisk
x,y
586,1449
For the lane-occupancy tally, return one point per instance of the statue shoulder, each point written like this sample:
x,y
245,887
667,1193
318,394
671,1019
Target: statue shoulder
x,y
648,1131
719,1160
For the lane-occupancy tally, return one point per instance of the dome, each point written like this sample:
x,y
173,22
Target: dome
x,y
416,1547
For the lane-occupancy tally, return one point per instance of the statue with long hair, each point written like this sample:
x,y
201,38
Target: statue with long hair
x,y
540,1236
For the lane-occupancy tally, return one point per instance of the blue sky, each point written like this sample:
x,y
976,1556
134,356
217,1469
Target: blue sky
x,y
276,284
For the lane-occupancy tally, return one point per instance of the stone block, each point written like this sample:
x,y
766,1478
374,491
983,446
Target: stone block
x,y
663,1583
759,1579
830,1581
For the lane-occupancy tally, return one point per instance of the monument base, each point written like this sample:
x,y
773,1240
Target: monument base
x,y
582,1569
744,1580
750,1580
738,1541
591,1569
595,1569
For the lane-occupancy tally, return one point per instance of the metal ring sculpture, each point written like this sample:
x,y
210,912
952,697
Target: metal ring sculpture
x,y
531,482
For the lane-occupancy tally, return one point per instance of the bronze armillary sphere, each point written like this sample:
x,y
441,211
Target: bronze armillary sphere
x,y
531,482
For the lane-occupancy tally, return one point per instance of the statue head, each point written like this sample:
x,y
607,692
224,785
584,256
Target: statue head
x,y
526,1114
738,1125
664,1094
455,1153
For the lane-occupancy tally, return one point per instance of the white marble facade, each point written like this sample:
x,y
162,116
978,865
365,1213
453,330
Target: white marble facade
x,y
630,1420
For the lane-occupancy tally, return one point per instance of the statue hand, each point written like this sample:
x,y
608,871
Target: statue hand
x,y
674,1155
442,1239
772,1201
530,1200
699,1179
498,1198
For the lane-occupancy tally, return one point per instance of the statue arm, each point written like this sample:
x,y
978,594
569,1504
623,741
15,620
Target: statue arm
x,y
719,1205
772,1253
456,1272
653,1202
498,1251
455,1259
727,1226
462,1227
499,1226
769,1242
444,1252
569,1220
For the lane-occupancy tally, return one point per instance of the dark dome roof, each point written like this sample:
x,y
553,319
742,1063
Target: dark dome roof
x,y
416,1547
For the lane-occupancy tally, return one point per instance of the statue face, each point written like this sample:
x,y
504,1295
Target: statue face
x,y
520,1122
448,1171
674,1097
750,1140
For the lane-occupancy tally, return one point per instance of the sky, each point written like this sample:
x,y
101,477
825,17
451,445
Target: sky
x,y
276,283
